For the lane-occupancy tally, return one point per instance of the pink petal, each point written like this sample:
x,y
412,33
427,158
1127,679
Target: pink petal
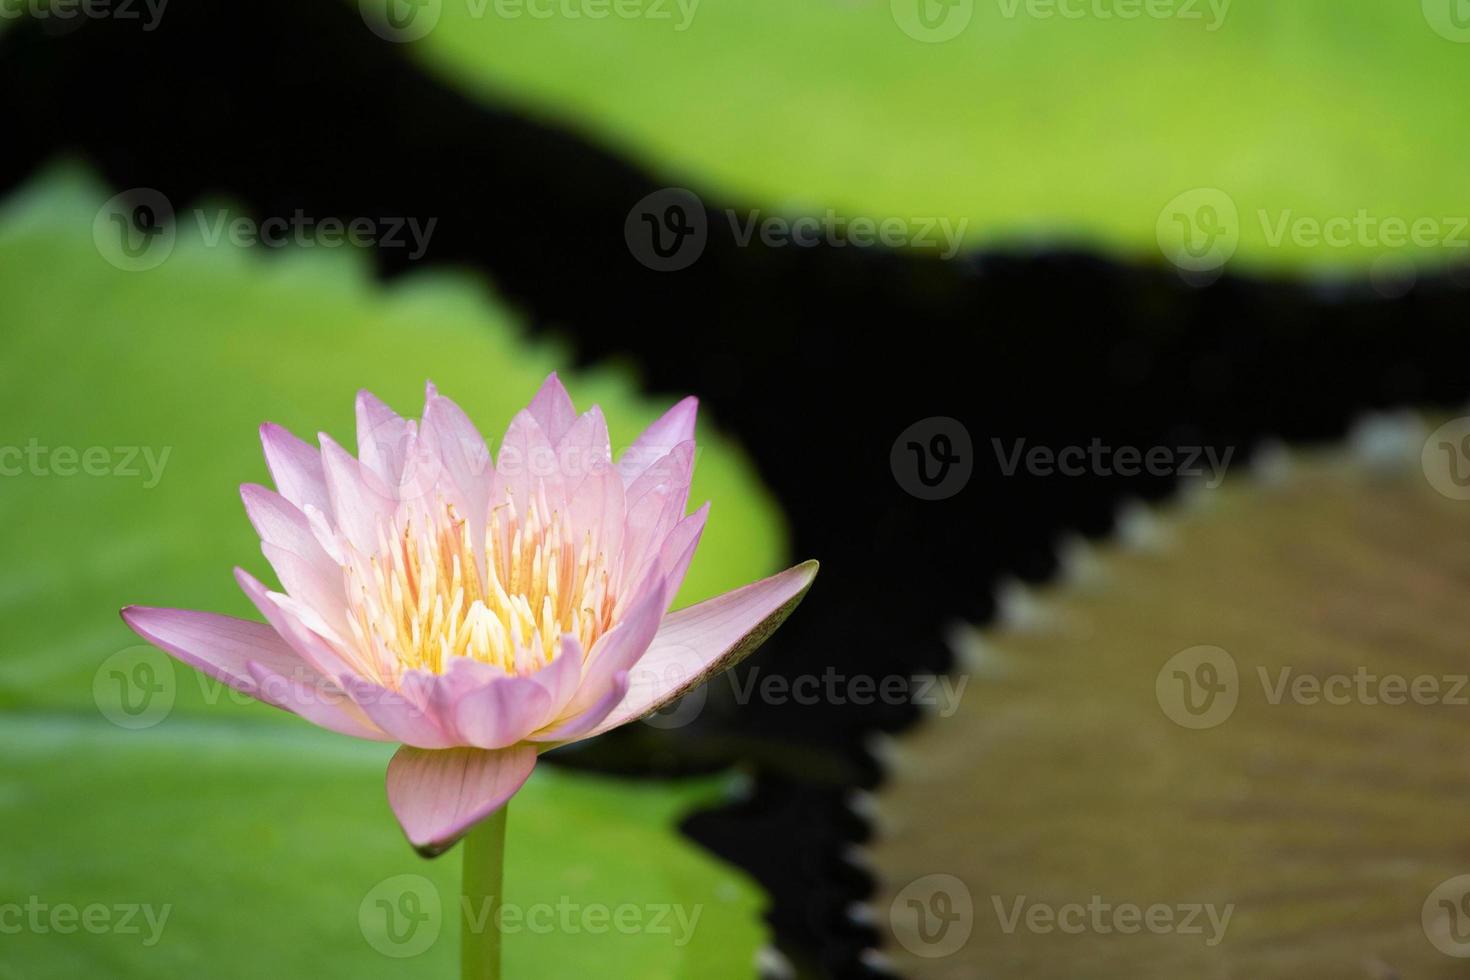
x,y
678,551
384,442
450,435
220,646
308,645
439,796
658,440
399,713
618,650
669,474
295,466
279,522
560,678
552,409
579,726
318,589
502,712
596,507
527,465
356,505
289,543
698,642
317,700
653,511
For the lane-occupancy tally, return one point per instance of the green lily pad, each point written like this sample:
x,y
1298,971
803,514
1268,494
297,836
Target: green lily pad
x,y
232,850
1032,119
133,782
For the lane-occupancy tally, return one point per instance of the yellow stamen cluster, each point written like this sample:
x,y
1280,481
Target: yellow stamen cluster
x,y
429,594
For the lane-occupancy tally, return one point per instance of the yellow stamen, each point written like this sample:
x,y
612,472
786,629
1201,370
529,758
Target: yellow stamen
x,y
428,595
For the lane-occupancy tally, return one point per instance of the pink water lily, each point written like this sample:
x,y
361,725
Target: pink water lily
x,y
477,612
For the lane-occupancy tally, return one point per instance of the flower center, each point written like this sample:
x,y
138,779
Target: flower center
x,y
430,595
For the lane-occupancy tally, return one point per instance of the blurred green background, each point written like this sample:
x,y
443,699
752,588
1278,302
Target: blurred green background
x,y
1027,127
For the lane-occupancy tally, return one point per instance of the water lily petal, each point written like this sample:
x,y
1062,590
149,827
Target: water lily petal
x,y
673,427
670,475
294,551
382,438
316,699
314,587
579,726
220,646
502,712
296,467
560,678
651,517
469,474
399,713
287,623
527,465
357,507
618,650
678,551
595,507
699,641
439,796
280,522
552,409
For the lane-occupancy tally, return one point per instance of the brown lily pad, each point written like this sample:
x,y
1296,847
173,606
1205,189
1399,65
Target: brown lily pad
x,y
1303,814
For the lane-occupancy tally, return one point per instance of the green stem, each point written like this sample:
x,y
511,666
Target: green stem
x,y
479,912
